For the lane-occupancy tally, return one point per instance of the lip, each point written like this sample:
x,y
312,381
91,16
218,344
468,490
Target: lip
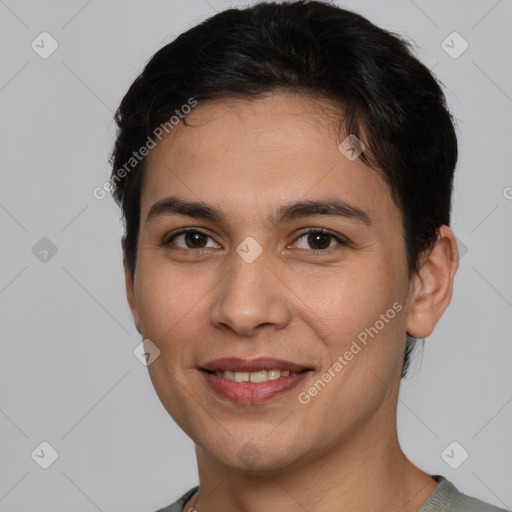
x,y
235,364
252,392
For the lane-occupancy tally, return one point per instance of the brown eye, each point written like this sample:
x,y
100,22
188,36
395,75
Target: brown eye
x,y
319,239
191,238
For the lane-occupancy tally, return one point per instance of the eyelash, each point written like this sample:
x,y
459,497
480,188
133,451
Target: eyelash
x,y
301,235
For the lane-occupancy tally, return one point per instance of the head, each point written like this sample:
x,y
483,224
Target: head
x,y
226,130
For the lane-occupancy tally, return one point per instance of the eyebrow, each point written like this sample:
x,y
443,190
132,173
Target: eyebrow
x,y
174,205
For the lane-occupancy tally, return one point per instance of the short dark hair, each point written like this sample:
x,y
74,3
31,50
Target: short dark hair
x,y
317,49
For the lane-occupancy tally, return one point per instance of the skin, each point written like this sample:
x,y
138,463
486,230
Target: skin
x,y
203,301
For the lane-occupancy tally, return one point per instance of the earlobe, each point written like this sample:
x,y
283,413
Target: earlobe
x,y
130,295
432,286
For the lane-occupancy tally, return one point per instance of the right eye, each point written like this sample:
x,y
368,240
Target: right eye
x,y
192,238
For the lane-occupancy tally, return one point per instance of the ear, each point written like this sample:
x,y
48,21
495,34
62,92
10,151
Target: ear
x,y
130,294
432,285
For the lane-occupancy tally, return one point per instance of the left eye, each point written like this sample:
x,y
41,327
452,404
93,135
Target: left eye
x,y
320,238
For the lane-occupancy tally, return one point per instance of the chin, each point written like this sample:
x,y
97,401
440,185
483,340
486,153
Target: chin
x,y
252,456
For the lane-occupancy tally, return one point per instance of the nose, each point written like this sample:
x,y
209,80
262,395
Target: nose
x,y
251,297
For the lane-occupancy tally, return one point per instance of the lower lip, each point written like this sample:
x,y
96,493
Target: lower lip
x,y
252,392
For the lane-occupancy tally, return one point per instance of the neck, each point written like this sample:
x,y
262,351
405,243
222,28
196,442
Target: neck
x,y
368,473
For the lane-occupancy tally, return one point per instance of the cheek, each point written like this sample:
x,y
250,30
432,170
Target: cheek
x,y
169,303
365,346
343,303
360,320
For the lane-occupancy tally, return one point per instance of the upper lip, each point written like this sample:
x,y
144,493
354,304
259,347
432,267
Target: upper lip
x,y
235,364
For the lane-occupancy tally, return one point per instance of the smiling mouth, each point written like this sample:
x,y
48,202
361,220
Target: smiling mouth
x,y
253,381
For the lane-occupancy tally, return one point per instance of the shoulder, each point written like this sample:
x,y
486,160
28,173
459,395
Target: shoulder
x,y
177,506
447,498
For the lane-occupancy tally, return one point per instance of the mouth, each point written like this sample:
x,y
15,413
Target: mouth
x,y
253,381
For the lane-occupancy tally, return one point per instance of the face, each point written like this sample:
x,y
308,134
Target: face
x,y
265,272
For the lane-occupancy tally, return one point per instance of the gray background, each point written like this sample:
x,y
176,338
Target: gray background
x,y
68,374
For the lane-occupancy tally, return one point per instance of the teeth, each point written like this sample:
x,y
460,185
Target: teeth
x,y
241,376
260,376
274,374
229,375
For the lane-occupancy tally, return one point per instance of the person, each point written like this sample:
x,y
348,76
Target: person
x,y
285,176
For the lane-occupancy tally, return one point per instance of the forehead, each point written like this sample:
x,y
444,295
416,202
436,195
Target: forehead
x,y
252,154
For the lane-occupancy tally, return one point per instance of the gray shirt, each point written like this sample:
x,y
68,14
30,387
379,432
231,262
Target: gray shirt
x,y
446,498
